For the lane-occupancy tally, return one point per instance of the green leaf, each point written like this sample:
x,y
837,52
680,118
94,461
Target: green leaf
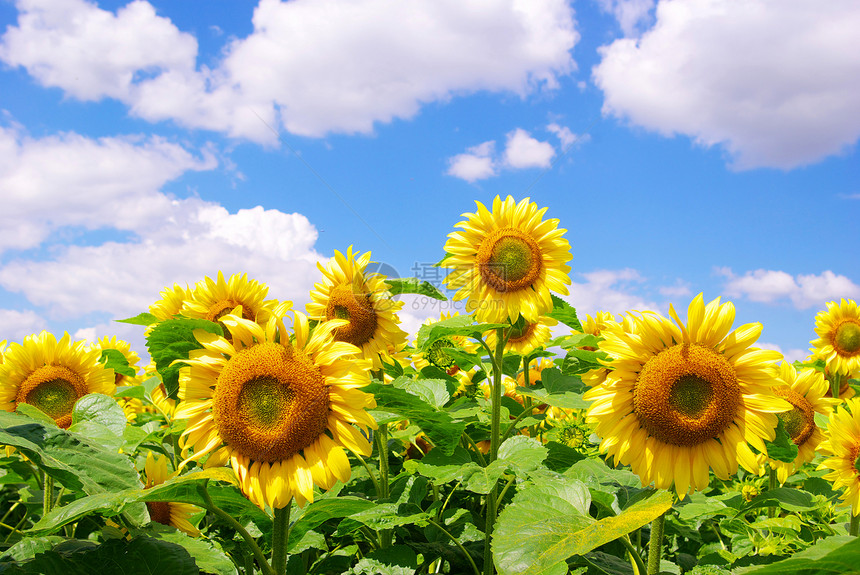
x,y
394,560
782,448
75,462
787,498
27,547
837,555
146,319
565,313
458,325
34,412
557,390
458,466
321,511
115,360
548,522
130,391
433,391
415,286
442,431
523,453
208,557
560,457
595,472
172,340
102,409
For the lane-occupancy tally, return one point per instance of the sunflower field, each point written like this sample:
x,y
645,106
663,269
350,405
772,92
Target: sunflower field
x,y
514,438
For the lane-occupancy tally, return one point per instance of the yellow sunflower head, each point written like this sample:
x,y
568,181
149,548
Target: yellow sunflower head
x,y
212,299
842,449
171,302
806,392
506,261
683,398
52,375
349,293
838,342
125,349
531,336
167,512
281,412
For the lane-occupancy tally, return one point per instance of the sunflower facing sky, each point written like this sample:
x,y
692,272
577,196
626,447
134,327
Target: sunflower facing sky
x,y
52,375
842,448
684,398
506,261
806,392
280,412
838,342
349,292
210,299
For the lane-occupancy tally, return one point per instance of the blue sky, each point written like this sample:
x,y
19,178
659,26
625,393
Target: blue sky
x,y
687,146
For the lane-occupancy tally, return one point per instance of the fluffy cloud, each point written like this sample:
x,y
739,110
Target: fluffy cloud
x,y
773,81
198,239
632,15
314,66
790,355
523,151
804,291
476,164
17,324
70,180
609,291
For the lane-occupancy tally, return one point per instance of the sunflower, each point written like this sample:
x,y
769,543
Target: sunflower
x,y
436,355
280,413
507,261
532,336
131,357
162,402
211,299
349,292
838,341
171,302
167,512
806,392
842,447
52,375
683,398
595,326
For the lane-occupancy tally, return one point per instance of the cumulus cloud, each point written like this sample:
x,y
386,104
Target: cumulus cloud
x,y
476,164
17,324
772,81
523,151
804,290
71,180
314,66
632,15
611,291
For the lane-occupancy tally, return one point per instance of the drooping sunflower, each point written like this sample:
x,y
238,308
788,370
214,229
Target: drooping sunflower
x,y
211,299
683,398
167,512
52,375
842,448
506,261
524,341
838,342
806,392
280,412
349,292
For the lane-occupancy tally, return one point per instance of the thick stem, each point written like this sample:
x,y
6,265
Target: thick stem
x,y
386,536
854,526
458,544
772,484
835,386
48,498
655,545
495,437
280,538
229,520
634,555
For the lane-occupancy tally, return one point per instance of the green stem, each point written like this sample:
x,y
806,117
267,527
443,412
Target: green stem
x,y
854,526
280,538
458,544
386,535
655,545
370,473
771,485
525,413
505,490
495,436
229,520
634,554
835,385
481,461
48,498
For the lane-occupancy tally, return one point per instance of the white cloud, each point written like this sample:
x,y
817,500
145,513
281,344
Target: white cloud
x,y
790,356
632,15
70,180
17,324
314,66
609,291
773,81
523,151
564,134
804,290
476,164
198,239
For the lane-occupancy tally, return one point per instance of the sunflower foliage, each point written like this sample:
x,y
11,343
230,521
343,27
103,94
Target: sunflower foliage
x,y
511,436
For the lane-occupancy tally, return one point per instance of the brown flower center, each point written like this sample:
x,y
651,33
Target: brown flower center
x,y
509,260
846,337
270,402
344,303
159,511
54,389
800,421
686,395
